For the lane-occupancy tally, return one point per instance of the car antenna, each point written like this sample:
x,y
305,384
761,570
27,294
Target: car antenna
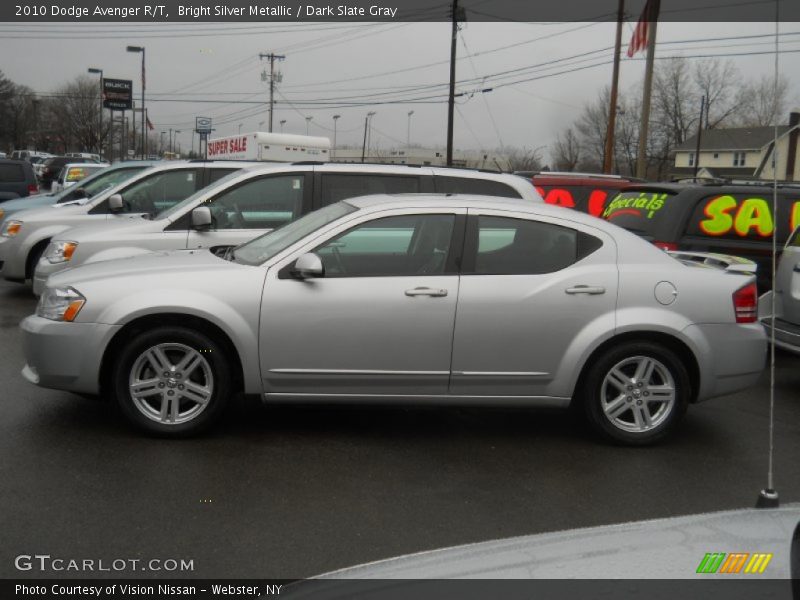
x,y
768,497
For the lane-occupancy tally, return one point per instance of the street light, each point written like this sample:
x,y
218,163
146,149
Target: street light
x,y
144,127
240,128
308,122
100,126
366,125
282,122
260,124
163,133
177,131
335,118
408,134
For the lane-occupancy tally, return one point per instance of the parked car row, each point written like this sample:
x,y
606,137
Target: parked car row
x,y
387,283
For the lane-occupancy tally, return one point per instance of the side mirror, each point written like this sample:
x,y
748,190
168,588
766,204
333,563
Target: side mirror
x,y
201,218
115,203
307,266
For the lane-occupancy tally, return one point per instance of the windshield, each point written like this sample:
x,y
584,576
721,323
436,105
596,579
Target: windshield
x,y
99,182
178,208
261,249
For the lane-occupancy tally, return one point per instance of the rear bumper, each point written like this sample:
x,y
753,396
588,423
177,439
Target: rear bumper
x,y
64,356
731,357
787,335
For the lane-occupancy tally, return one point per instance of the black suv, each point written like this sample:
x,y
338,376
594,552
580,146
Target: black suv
x,y
723,218
52,167
17,179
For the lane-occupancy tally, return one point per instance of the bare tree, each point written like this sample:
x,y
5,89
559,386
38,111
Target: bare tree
x,y
592,125
75,116
717,80
523,159
566,151
761,103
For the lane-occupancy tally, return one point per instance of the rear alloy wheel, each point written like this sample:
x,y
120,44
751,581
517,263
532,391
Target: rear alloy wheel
x,y
172,381
636,393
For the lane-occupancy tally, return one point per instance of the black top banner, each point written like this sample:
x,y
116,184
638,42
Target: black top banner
x,y
393,10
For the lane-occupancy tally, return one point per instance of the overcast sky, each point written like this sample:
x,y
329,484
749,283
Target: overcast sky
x,y
329,60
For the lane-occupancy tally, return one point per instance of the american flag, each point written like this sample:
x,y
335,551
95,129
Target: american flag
x,y
640,34
149,124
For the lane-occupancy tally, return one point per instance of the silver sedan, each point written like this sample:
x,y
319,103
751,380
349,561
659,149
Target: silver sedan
x,y
417,298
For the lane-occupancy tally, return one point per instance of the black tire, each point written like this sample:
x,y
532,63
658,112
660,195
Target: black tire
x,y
632,399
33,259
174,343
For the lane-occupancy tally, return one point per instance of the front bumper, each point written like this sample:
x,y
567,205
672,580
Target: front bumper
x,y
11,267
44,268
64,356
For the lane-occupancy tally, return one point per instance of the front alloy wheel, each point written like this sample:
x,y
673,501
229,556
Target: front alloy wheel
x,y
636,393
172,381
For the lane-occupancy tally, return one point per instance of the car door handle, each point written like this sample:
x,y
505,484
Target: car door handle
x,y
586,289
426,291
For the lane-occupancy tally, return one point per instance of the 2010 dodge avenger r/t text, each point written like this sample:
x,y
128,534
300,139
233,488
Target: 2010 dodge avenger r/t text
x,y
408,298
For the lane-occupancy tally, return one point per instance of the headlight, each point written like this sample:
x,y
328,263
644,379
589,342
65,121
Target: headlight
x,y
58,252
2,214
11,228
60,304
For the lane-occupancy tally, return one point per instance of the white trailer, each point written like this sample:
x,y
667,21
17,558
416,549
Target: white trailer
x,y
278,147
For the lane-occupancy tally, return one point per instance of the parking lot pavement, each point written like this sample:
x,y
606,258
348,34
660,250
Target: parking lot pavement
x,y
291,492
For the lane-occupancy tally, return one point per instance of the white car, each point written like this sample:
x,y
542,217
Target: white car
x,y
72,173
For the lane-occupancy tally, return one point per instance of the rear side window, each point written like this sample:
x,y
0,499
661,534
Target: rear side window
x,y
217,174
640,212
744,216
468,185
12,173
341,186
507,246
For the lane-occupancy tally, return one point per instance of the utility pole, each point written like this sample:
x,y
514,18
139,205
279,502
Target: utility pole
x,y
451,100
272,58
335,118
699,133
608,153
366,125
641,157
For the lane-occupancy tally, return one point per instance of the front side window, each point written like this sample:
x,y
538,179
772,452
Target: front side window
x,y
160,191
341,186
265,203
392,246
507,246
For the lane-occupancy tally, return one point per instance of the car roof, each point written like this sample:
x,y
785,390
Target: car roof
x,y
708,188
389,201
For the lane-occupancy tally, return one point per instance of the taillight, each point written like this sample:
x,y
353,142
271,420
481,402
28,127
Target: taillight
x,y
745,304
668,246
33,188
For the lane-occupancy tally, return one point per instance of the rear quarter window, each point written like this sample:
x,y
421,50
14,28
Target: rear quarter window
x,y
12,173
745,216
641,212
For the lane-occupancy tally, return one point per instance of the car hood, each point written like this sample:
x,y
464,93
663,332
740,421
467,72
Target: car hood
x,y
151,265
38,201
107,230
660,549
